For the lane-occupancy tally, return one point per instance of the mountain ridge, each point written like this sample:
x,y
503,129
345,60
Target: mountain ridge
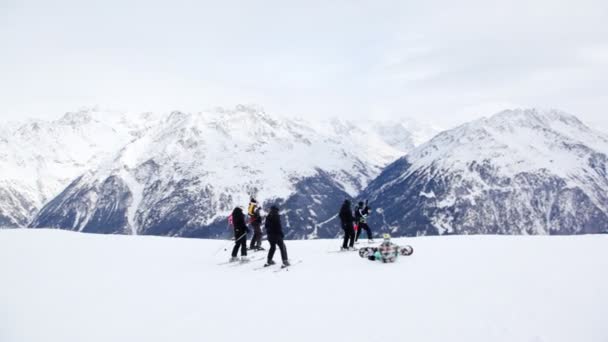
x,y
523,171
188,172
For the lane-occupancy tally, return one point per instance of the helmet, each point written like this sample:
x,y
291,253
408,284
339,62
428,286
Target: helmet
x,y
386,237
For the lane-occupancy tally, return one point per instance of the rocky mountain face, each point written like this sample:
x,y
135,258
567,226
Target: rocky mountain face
x,y
517,172
38,159
183,174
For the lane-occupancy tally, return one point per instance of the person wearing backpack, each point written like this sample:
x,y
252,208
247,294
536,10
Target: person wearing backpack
x,y
256,222
240,235
253,205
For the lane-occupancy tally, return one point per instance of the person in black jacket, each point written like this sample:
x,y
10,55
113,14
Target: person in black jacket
x,y
240,234
346,218
275,236
361,214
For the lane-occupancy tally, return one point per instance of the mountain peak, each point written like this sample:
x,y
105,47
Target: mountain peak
x,y
522,171
534,117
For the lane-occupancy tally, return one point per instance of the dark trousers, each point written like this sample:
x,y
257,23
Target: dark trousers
x,y
241,242
256,240
349,235
273,247
364,226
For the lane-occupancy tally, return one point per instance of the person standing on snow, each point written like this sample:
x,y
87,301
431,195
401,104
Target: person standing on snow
x,y
275,236
240,235
256,222
346,219
361,213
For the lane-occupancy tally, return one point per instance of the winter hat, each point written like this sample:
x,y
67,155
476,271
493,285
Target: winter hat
x,y
386,237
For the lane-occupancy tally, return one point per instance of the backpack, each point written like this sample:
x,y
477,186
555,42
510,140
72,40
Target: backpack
x,y
251,209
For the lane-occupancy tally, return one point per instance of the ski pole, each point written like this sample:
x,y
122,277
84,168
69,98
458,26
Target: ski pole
x,y
225,247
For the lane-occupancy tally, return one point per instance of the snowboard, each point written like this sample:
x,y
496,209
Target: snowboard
x,y
367,251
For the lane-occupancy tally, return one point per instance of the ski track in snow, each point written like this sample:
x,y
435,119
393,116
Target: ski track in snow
x,y
66,286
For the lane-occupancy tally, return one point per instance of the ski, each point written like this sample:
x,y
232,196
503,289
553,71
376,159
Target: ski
x,y
286,268
263,267
238,262
241,263
226,263
343,251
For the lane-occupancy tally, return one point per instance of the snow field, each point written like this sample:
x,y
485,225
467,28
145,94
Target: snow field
x,y
65,286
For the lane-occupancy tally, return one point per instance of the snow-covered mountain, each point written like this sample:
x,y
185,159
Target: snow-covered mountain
x,y
517,172
38,159
186,172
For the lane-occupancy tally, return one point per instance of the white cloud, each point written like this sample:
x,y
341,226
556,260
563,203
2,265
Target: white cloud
x,y
439,60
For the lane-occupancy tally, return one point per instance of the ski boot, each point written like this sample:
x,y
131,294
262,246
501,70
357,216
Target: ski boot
x,y
233,259
244,259
269,263
285,264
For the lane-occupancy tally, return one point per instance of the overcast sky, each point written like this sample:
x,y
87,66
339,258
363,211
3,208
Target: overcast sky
x,y
439,61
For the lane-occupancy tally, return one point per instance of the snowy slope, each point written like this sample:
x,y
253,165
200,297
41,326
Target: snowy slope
x,y
184,176
522,171
62,286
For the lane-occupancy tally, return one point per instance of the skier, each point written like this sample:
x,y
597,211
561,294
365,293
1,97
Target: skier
x,y
240,235
346,219
253,204
275,236
386,252
256,222
361,213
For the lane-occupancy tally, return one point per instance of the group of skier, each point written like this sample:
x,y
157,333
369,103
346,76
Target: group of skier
x,y
352,222
274,232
